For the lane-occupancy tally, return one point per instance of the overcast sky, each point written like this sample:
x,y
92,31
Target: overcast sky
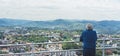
x,y
56,9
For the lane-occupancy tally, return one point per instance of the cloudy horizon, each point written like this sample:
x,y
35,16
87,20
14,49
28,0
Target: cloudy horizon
x,y
60,9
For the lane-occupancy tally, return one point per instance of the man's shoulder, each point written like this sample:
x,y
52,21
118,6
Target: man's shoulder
x,y
94,31
84,31
89,31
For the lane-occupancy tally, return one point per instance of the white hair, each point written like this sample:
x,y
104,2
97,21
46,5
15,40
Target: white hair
x,y
89,26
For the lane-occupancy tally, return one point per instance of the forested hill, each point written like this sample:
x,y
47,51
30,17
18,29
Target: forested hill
x,y
101,26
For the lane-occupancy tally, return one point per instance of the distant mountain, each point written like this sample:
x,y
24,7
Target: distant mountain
x,y
110,27
2,23
12,22
49,24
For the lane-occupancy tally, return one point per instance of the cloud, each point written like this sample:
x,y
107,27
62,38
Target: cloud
x,y
68,9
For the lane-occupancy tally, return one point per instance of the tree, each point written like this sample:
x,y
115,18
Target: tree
x,y
66,46
98,52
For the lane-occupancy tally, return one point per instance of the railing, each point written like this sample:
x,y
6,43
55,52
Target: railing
x,y
70,52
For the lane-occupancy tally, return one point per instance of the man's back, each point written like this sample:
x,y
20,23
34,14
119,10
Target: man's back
x,y
89,38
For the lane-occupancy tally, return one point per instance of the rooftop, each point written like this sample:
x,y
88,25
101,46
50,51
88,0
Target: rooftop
x,y
59,52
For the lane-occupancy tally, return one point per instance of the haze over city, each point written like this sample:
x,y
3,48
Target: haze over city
x,y
60,9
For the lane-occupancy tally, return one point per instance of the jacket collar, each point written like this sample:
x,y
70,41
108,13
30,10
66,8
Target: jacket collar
x,y
89,29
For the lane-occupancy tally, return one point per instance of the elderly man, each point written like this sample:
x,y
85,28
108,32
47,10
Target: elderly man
x,y
89,38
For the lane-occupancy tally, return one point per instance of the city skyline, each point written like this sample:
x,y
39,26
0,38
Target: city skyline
x,y
60,9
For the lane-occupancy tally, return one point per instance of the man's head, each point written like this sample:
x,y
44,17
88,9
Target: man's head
x,y
89,26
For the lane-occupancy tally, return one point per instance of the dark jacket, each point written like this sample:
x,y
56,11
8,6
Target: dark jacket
x,y
89,38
